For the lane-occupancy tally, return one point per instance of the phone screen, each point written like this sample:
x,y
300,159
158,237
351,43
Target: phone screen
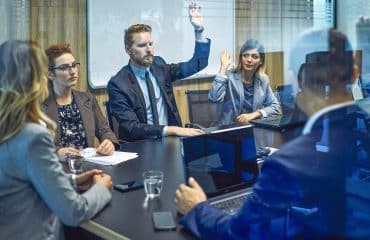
x,y
131,185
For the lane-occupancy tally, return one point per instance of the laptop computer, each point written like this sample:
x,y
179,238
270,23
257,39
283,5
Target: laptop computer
x,y
286,120
225,165
290,117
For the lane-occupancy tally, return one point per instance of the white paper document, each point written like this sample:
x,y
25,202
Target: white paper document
x,y
90,155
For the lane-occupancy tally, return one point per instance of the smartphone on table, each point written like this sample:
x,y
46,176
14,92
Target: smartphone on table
x,y
163,221
129,186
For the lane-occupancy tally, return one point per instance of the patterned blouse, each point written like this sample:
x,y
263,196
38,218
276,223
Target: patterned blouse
x,y
71,128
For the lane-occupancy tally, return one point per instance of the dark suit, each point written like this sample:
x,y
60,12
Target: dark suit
x,y
92,118
305,190
127,101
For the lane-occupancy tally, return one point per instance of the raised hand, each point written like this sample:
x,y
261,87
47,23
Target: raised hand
x,y
225,59
195,16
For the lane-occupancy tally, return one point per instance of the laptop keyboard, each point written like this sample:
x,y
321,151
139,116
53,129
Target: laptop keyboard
x,y
231,205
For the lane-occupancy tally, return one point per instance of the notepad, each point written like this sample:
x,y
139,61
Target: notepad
x,y
90,155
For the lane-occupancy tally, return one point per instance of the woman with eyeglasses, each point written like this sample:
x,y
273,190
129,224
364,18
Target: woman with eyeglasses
x,y
36,195
77,114
245,91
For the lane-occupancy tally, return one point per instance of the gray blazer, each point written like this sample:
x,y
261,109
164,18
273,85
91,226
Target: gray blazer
x,y
92,118
229,91
35,192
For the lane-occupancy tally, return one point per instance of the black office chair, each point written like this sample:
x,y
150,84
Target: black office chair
x,y
113,123
202,112
285,95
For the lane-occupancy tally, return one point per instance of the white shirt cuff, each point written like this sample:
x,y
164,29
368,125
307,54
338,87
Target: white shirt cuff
x,y
74,183
164,131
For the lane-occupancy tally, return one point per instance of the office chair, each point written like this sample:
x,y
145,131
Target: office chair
x,y
285,96
202,112
113,123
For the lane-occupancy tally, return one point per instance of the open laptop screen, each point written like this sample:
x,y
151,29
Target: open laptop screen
x,y
221,162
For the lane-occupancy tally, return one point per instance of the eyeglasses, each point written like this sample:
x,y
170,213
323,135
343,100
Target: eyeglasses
x,y
66,67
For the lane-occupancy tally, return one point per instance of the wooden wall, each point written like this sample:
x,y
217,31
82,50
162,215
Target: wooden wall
x,y
244,26
60,21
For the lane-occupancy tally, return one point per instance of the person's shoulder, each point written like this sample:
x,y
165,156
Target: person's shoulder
x,y
80,94
50,100
263,77
159,61
31,127
293,153
121,74
233,74
32,131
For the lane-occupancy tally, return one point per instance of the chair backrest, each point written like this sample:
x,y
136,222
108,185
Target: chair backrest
x,y
285,95
113,123
201,110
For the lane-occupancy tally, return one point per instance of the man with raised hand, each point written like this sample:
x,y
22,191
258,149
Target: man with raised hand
x,y
141,96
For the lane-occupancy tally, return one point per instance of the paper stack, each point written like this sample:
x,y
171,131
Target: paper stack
x,y
90,155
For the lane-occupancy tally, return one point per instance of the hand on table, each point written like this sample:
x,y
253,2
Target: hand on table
x,y
183,132
105,148
85,180
246,117
104,179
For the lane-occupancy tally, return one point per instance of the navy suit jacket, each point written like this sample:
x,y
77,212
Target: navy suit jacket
x,y
312,188
127,102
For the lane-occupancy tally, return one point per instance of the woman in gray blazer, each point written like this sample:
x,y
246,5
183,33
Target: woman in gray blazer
x,y
77,114
35,192
245,91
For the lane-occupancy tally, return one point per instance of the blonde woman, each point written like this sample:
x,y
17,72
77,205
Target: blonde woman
x,y
34,190
245,92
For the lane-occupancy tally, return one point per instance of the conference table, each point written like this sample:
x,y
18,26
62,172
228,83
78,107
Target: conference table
x,y
129,215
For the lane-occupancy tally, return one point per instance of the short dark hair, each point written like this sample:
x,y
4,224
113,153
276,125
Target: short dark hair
x,y
56,51
136,28
330,68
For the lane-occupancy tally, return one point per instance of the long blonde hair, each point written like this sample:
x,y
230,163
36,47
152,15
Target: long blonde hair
x,y
23,87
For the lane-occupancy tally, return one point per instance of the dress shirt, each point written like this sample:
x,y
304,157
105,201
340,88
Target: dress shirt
x,y
161,107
